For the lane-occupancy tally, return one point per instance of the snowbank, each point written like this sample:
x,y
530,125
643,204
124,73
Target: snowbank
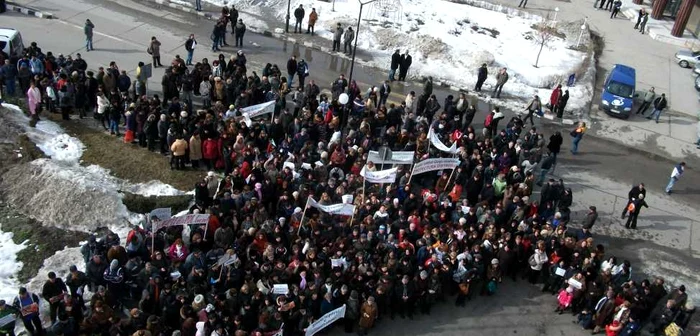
x,y
449,41
9,266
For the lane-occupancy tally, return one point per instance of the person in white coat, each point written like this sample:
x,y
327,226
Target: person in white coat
x,y
102,104
537,261
675,175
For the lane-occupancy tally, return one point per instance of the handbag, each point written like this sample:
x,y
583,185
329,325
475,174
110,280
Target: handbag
x,y
573,133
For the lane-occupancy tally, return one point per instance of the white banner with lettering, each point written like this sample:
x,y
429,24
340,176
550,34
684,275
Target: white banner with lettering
x,y
325,321
342,209
396,158
382,176
251,112
439,145
435,164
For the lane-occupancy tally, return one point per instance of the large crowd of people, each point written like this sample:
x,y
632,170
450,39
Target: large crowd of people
x,y
410,244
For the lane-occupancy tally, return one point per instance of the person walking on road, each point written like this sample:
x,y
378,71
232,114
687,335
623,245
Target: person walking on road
x,y
313,17
481,77
240,32
616,9
190,44
406,61
534,107
659,105
501,80
577,135
634,208
87,29
291,70
591,217
554,146
643,24
675,175
348,37
395,61
632,196
154,51
640,14
547,164
299,16
337,35
648,98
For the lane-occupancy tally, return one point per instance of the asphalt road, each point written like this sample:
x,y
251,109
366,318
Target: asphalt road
x,y
603,172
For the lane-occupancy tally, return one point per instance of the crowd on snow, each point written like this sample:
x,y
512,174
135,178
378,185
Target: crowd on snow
x,y
407,247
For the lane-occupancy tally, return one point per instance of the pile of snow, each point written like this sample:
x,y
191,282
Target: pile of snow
x,y
449,41
9,266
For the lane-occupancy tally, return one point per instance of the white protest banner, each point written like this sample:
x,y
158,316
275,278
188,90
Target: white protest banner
x,y
396,158
281,289
258,110
325,321
575,283
439,145
435,164
183,220
382,176
334,209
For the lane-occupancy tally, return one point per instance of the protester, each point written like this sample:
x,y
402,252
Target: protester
x,y
678,170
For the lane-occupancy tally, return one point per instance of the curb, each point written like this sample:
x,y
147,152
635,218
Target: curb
x,y
28,11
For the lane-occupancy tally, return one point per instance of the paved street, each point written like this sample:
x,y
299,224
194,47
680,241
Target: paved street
x,y
668,239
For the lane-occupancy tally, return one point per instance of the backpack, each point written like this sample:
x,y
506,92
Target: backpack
x,y
631,207
532,261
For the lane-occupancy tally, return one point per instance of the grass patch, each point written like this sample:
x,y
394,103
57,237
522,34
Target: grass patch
x,y
42,241
126,161
144,204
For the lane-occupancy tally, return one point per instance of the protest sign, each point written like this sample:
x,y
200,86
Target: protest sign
x,y
281,289
435,141
325,321
182,220
396,158
342,209
382,176
161,213
560,271
434,164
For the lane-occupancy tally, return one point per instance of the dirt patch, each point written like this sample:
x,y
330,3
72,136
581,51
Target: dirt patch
x,y
144,204
125,161
42,241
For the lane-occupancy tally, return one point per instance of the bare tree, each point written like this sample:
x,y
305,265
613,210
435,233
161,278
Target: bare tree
x,y
542,37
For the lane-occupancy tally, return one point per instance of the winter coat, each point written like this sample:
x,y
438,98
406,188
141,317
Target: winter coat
x,y
555,142
338,34
406,62
313,17
195,148
179,147
209,149
349,36
240,29
395,61
368,314
291,67
483,73
554,97
154,48
33,99
501,78
565,298
660,103
535,105
299,13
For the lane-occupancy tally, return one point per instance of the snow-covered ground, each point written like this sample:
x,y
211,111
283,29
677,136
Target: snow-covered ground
x,y
449,41
9,265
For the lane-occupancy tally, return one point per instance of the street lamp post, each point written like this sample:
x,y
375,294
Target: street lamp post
x,y
583,28
554,22
357,36
289,7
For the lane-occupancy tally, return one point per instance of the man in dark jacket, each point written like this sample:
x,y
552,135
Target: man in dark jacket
x,y
481,77
591,217
632,195
406,61
239,32
299,16
634,208
53,291
659,105
395,61
291,70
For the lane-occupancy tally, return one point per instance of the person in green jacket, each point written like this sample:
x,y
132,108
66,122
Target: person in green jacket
x,y
7,324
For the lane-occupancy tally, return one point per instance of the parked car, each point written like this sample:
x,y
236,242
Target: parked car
x,y
697,83
687,58
618,93
697,68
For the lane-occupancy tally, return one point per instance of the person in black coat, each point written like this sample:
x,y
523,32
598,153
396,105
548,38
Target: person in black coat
x,y
291,70
395,62
634,211
404,297
299,16
406,61
561,104
481,77
554,145
632,196
53,291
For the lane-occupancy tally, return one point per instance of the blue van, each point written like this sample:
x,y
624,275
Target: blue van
x,y
618,91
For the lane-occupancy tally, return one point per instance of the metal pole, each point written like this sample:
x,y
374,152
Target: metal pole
x,y
333,8
289,5
357,36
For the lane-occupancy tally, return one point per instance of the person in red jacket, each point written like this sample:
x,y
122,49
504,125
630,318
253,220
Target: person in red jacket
x,y
554,99
209,152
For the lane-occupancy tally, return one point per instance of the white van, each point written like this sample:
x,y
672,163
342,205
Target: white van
x,y
11,42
